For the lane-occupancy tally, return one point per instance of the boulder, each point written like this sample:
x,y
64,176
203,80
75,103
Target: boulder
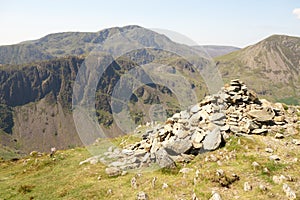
x,y
163,159
212,140
179,146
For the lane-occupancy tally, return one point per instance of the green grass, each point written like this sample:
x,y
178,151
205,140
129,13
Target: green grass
x,y
62,177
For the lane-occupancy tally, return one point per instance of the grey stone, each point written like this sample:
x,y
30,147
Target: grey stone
x,y
296,142
212,140
198,136
259,131
142,196
184,115
163,159
289,192
269,150
117,164
113,171
195,119
279,136
182,134
251,125
235,129
215,196
179,146
263,115
195,108
204,115
224,128
247,187
176,116
127,152
274,157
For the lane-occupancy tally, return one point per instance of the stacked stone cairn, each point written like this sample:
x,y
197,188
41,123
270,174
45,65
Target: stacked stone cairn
x,y
203,127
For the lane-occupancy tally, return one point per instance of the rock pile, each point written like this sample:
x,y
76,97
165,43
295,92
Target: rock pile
x,y
203,127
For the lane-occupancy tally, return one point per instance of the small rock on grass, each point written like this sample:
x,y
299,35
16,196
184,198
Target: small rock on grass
x,y
274,157
279,136
289,192
142,196
215,196
113,171
247,187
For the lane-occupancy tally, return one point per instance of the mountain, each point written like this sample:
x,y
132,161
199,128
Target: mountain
x,y
215,50
36,94
271,67
58,45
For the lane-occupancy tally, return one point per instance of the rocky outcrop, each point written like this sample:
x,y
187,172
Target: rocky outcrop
x,y
203,127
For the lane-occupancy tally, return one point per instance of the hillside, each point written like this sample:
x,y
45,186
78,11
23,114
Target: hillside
x,y
246,165
271,67
37,98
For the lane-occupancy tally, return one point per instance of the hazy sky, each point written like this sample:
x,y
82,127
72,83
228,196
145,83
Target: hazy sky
x,y
221,22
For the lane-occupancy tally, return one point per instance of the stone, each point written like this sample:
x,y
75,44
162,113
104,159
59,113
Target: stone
x,y
168,128
179,146
225,128
113,171
33,153
142,196
212,140
279,118
198,136
176,116
194,196
296,142
263,187
269,150
274,158
215,196
279,136
117,164
204,115
195,119
217,117
251,125
259,131
164,186
184,115
289,192
264,115
234,129
247,187
181,134
255,165
185,170
163,159
133,183
196,108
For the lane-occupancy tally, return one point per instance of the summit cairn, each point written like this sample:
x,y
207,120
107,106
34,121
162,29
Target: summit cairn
x,y
203,127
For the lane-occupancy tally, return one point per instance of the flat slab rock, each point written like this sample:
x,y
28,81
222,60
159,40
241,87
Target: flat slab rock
x,y
179,146
212,140
262,115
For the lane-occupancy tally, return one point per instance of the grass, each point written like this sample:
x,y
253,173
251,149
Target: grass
x,y
62,177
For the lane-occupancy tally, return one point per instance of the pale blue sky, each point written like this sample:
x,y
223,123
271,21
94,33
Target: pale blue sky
x,y
221,22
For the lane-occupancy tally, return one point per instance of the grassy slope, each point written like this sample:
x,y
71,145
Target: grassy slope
x,y
270,67
63,178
